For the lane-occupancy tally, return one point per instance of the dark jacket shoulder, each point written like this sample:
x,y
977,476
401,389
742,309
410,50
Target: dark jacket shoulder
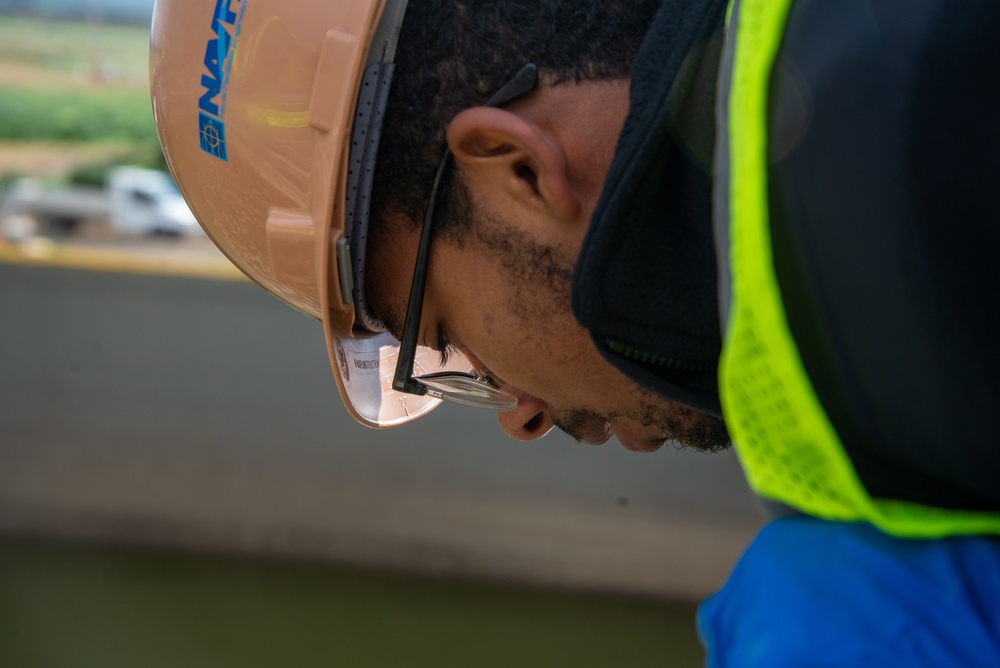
x,y
885,151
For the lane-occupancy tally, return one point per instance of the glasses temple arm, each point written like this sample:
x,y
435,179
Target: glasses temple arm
x,y
403,380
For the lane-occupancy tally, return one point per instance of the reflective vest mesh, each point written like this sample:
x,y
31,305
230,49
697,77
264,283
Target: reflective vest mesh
x,y
784,439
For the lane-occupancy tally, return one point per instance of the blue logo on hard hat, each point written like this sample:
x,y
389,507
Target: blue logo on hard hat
x,y
213,136
218,62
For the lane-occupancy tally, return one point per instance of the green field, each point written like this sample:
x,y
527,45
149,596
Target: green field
x,y
72,50
77,84
74,116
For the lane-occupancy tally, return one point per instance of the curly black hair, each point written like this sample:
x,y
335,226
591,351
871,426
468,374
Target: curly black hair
x,y
453,54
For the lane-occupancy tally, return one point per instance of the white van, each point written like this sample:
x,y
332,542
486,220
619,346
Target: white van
x,y
135,201
146,201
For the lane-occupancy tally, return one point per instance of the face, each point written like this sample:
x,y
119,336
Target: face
x,y
499,292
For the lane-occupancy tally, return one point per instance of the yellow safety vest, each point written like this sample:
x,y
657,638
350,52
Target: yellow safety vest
x,y
787,446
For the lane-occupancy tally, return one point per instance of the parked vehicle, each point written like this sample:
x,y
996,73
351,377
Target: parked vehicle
x,y
146,201
135,201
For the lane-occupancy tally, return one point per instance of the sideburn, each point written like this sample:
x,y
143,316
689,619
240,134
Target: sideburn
x,y
541,274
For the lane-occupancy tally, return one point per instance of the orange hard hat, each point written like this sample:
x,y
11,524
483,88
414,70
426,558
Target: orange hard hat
x,y
269,113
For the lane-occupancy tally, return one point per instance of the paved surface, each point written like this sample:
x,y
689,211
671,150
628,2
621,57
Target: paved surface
x,y
201,413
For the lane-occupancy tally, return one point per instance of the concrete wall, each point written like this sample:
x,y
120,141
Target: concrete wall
x,y
202,414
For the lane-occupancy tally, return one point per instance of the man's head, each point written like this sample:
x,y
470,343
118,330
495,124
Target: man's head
x,y
516,203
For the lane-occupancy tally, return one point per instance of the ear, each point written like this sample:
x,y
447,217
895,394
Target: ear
x,y
497,149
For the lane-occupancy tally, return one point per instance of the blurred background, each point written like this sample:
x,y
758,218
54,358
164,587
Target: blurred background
x,y
179,484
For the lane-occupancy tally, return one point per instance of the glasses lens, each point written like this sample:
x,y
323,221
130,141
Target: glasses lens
x,y
466,389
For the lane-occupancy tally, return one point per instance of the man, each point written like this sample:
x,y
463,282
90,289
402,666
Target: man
x,y
527,179
527,189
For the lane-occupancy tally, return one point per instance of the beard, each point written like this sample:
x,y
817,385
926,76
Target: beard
x,y
667,421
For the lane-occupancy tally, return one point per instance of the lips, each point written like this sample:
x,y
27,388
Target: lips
x,y
597,433
601,430
634,444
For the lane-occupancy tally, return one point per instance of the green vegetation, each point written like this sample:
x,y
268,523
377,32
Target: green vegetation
x,y
74,49
77,85
81,115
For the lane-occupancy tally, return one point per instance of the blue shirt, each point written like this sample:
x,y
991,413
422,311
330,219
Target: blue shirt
x,y
808,592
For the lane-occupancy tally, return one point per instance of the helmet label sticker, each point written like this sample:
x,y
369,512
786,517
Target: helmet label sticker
x,y
218,63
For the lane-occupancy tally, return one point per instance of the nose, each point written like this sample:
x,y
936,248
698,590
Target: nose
x,y
529,421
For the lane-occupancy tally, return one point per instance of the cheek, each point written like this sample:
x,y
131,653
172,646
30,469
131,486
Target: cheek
x,y
563,372
500,345
534,345
489,324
